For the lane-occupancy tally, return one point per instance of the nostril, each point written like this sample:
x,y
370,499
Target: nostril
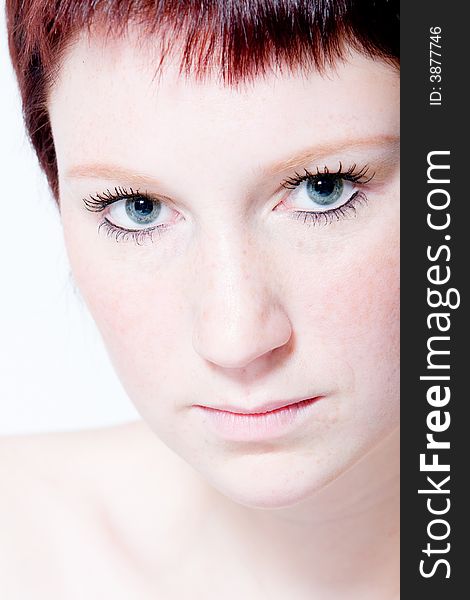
x,y
237,341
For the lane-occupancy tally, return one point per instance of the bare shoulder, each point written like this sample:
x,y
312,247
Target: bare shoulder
x,y
69,467
52,461
81,512
40,473
53,491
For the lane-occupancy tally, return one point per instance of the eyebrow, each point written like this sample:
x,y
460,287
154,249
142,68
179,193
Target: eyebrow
x,y
109,172
131,176
325,150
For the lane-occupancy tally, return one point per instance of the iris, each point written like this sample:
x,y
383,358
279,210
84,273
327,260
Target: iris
x,y
142,210
325,190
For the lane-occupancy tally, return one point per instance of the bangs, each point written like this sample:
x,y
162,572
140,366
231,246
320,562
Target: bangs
x,y
235,40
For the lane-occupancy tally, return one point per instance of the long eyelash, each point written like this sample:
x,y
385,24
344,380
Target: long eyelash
x,y
138,236
360,176
353,174
346,210
99,202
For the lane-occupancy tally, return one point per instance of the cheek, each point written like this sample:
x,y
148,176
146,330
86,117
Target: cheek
x,y
348,322
362,301
367,326
137,310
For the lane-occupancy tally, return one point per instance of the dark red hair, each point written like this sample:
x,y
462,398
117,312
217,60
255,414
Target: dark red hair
x,y
237,39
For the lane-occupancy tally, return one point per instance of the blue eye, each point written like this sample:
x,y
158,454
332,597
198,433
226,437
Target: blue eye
x,y
321,193
325,190
131,214
143,210
325,196
139,213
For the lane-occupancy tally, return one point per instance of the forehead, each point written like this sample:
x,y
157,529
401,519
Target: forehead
x,y
111,102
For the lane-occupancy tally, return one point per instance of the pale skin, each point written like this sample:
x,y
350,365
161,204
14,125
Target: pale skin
x,y
236,301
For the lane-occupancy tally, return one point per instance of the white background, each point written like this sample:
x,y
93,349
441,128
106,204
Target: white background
x,y
54,373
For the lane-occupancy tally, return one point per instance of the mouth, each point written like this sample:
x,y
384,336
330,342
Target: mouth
x,y
261,410
270,420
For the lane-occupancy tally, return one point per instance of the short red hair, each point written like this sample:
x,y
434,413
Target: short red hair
x,y
240,39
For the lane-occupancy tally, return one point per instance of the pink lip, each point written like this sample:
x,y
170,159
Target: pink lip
x,y
267,421
264,408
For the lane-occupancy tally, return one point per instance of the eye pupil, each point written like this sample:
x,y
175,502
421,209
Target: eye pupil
x,y
142,210
325,190
143,205
324,186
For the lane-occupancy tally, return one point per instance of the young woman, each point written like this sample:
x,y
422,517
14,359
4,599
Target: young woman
x,y
227,178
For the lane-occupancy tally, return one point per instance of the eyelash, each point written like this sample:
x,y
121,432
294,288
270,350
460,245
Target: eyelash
x,y
100,201
360,176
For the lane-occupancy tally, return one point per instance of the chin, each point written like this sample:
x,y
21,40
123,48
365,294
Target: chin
x,y
268,499
275,480
263,483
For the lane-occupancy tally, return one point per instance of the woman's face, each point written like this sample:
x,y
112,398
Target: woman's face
x,y
253,289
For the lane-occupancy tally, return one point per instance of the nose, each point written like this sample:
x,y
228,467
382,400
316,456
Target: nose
x,y
238,317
